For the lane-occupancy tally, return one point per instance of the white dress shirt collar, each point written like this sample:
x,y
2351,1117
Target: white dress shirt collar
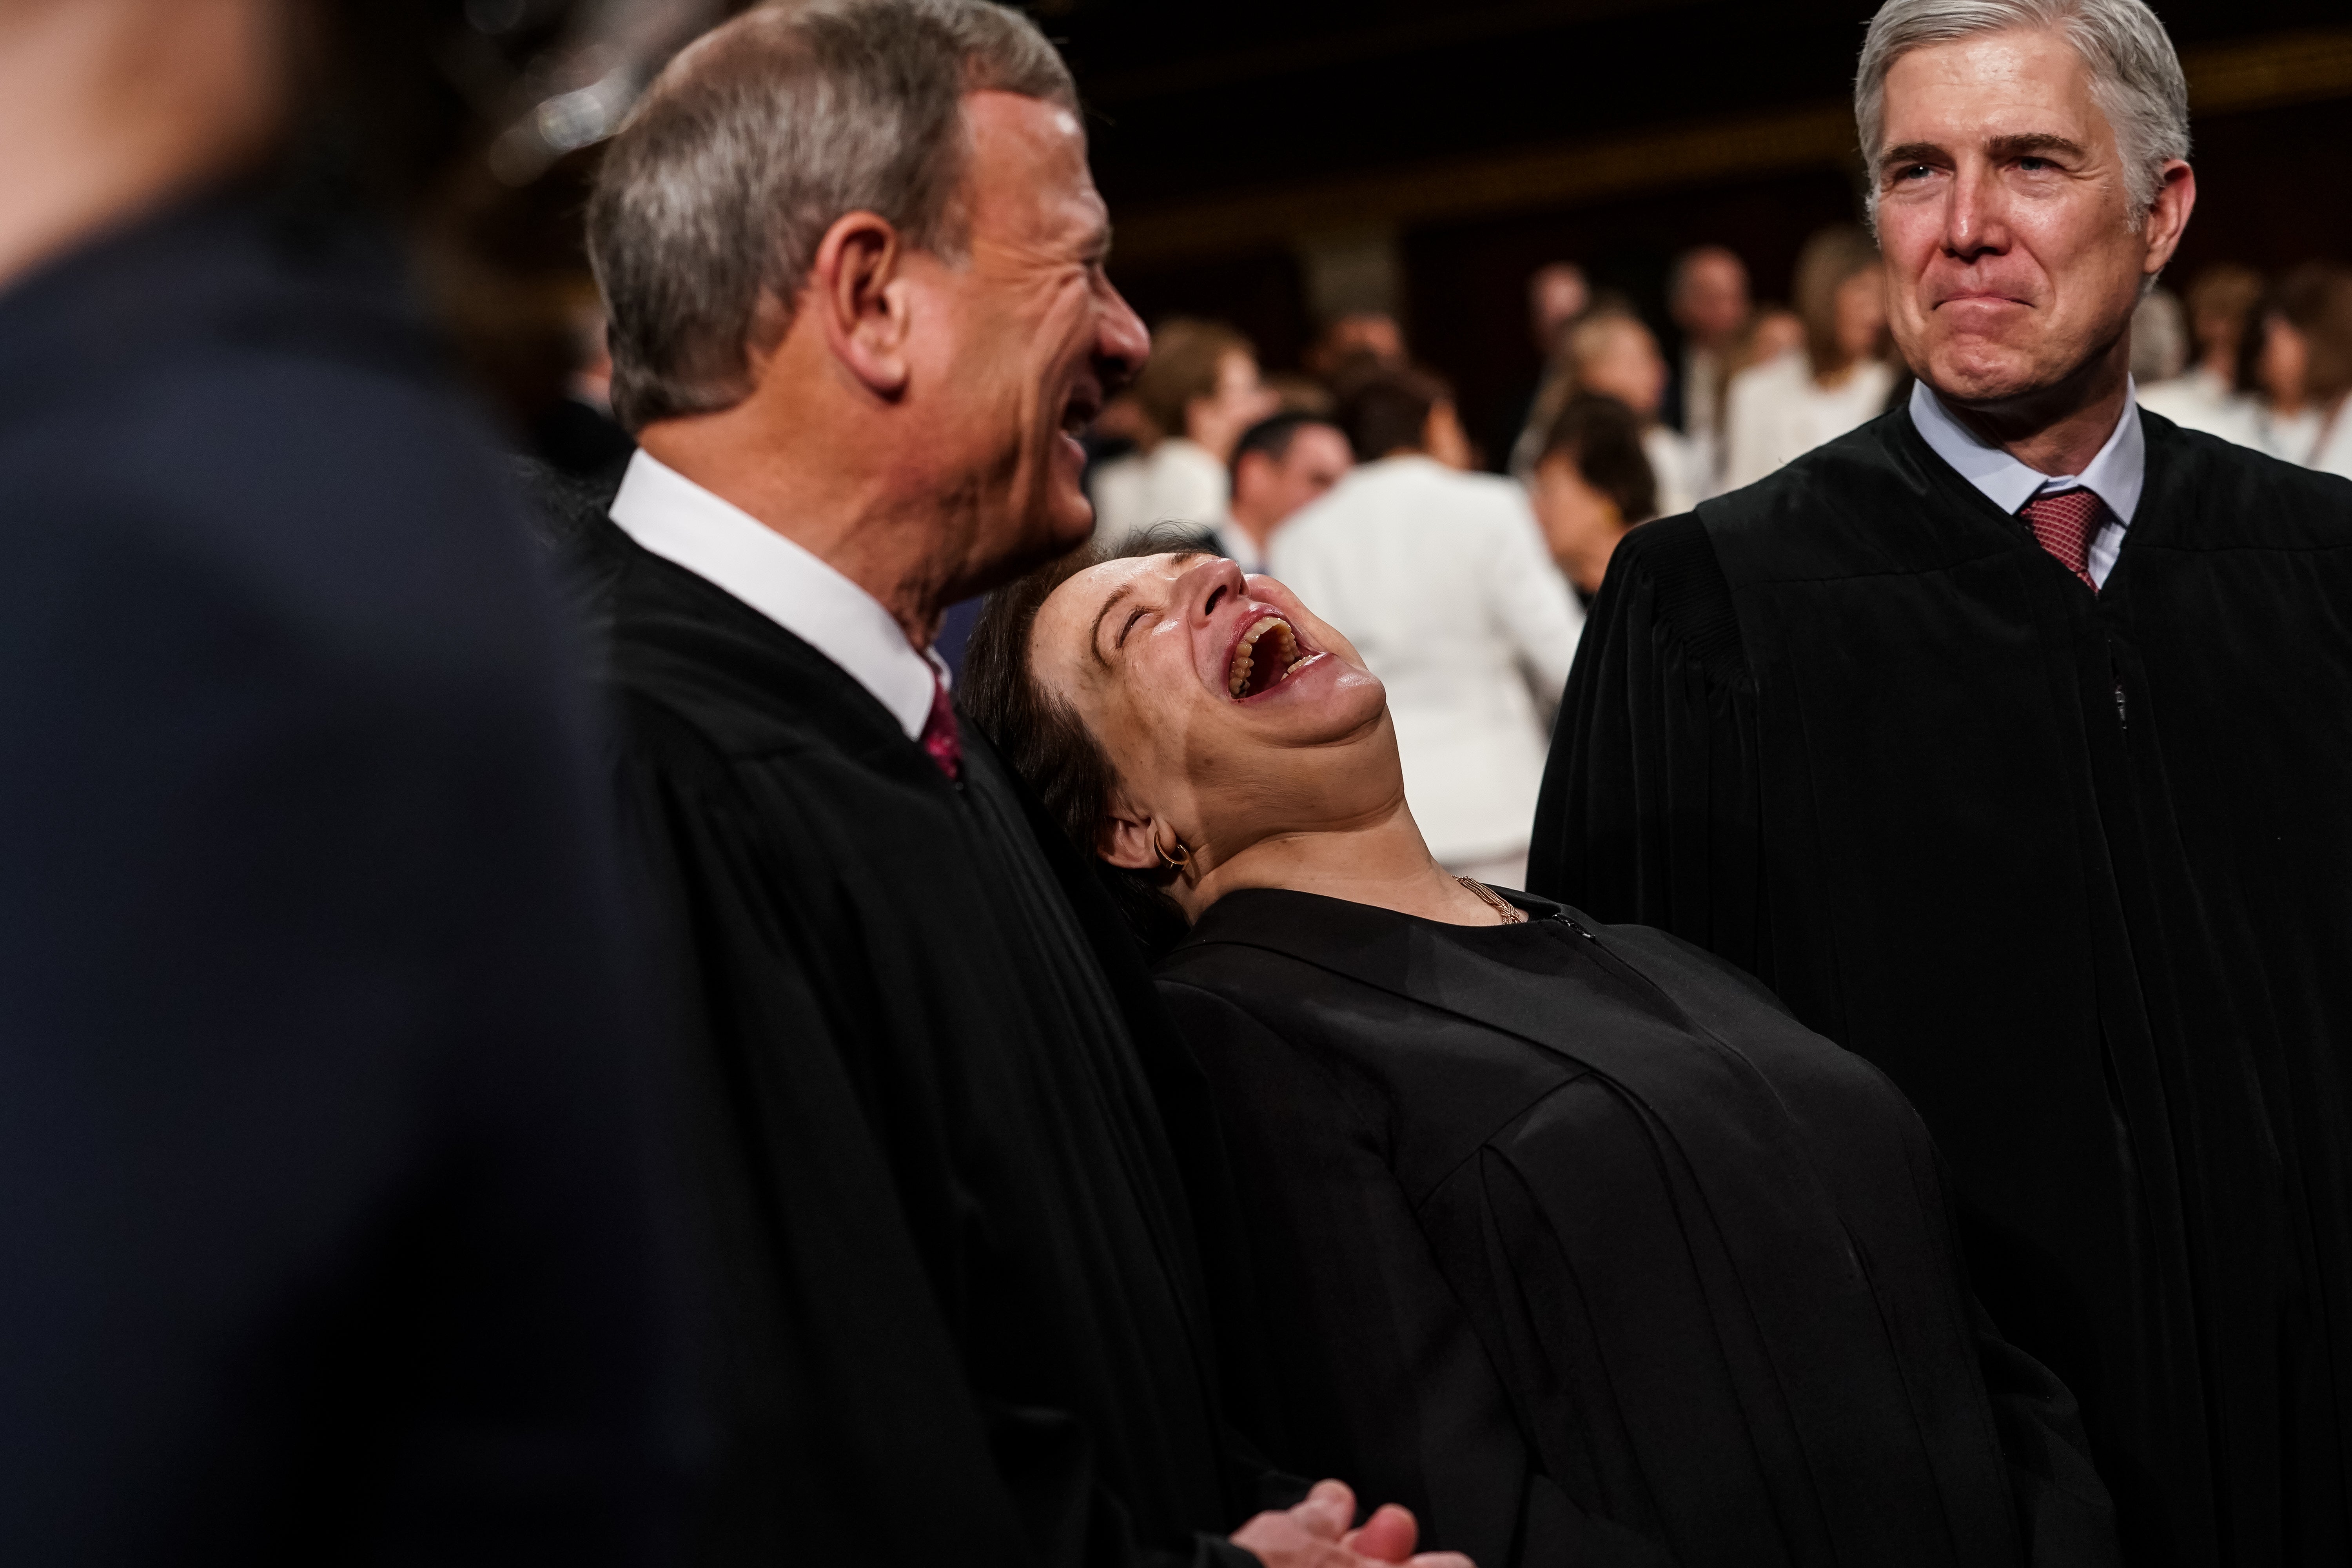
x,y
2115,476
680,522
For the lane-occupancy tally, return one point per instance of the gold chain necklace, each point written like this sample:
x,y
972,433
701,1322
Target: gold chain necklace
x,y
1510,912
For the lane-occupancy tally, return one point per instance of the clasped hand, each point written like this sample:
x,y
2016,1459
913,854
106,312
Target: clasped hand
x,y
1315,1534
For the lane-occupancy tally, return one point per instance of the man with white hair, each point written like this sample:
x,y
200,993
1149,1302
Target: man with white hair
x,y
855,263
2009,739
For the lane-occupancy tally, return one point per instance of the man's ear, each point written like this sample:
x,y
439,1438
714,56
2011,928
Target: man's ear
x,y
1129,842
2167,216
857,286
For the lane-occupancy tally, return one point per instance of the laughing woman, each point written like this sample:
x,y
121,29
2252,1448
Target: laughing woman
x,y
1565,1235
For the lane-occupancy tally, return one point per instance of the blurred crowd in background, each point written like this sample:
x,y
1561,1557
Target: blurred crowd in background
x,y
1617,431
1356,480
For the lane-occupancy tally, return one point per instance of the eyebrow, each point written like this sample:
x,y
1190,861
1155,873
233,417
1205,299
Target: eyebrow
x,y
2027,145
2020,146
1125,591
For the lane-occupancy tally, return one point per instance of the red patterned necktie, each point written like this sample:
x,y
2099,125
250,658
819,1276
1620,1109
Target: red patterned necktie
x,y
939,738
2064,524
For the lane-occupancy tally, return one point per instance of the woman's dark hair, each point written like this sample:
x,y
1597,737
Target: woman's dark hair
x,y
1603,440
1050,746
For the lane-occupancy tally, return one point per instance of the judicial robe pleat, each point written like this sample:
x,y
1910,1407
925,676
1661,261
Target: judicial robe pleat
x,y
2074,869
958,1314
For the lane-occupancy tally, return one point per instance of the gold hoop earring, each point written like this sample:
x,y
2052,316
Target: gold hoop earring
x,y
1176,862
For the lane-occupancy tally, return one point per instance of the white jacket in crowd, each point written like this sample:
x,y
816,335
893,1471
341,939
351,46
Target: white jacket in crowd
x,y
1441,580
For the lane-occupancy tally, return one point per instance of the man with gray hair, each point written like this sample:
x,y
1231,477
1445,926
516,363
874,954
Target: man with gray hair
x,y
855,266
2009,739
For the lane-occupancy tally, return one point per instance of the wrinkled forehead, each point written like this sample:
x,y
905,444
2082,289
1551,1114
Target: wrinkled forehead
x,y
2031,72
1061,649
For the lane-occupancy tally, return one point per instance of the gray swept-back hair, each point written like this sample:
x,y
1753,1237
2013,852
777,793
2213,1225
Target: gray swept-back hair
x,y
755,141
2135,77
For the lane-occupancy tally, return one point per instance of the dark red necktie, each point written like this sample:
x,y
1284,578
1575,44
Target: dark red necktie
x,y
2064,525
939,738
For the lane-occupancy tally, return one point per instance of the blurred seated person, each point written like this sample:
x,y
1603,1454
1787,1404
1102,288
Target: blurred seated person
x,y
2159,339
1593,481
1610,353
1708,301
1443,579
1198,392
2221,305
1356,342
2295,362
1565,1235
576,434
1280,464
2328,373
1558,296
1296,392
1785,407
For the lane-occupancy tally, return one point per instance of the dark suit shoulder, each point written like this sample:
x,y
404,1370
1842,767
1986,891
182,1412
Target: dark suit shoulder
x,y
2206,493
1876,501
750,688
1670,575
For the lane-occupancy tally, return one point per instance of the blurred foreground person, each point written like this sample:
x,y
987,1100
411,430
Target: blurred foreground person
x,y
962,1317
1198,392
1581,1204
1280,464
1441,578
319,1178
1784,407
1593,481
2009,739
2222,300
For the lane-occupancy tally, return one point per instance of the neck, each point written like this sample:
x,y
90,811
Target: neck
x,y
108,108
1378,858
901,549
2060,430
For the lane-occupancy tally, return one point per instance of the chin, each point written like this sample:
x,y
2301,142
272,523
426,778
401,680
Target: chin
x,y
1333,702
1981,374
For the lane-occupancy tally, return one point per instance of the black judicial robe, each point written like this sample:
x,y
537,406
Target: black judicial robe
x,y
1570,1238
322,1232
2075,870
959,1316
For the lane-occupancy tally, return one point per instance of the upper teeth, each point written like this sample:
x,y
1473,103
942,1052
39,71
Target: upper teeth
x,y
1245,653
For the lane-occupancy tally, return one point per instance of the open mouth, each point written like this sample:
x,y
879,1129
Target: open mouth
x,y
1268,654
1079,411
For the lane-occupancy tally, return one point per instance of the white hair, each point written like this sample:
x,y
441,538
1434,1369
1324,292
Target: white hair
x,y
712,202
2135,77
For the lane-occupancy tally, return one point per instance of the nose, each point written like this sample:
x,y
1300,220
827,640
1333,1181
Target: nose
x,y
1208,584
1122,342
1977,222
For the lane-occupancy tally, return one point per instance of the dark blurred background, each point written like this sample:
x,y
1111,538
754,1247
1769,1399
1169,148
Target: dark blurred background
x,y
1275,163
